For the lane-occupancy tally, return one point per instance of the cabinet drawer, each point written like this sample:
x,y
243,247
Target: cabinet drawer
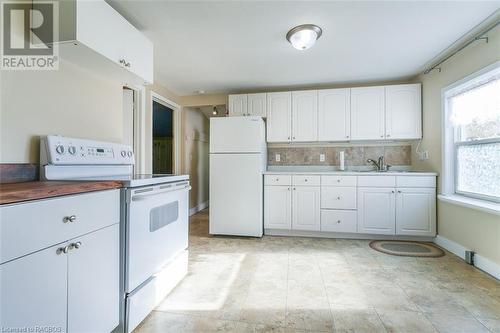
x,y
338,180
338,197
416,181
29,227
377,181
303,180
277,180
338,220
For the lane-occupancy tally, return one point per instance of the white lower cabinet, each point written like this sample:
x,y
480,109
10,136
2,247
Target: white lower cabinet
x,y
373,205
306,208
73,284
338,220
93,281
416,211
376,213
33,291
278,207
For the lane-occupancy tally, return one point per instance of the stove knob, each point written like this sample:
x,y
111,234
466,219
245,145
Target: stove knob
x,y
60,149
124,153
129,154
72,150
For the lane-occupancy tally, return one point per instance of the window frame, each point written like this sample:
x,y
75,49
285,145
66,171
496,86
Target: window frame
x,y
451,135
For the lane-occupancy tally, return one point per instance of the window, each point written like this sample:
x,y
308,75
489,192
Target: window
x,y
472,136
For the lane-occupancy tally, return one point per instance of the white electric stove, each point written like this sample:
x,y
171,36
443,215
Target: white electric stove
x,y
154,218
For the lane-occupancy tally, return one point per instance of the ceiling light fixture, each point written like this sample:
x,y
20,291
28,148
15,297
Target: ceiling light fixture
x,y
304,36
215,112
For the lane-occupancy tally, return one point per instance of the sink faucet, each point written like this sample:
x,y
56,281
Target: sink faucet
x,y
380,165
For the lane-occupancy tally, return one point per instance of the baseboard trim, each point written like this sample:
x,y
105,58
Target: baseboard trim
x,y
480,262
198,208
328,234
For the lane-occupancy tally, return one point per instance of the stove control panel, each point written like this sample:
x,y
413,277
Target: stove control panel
x,y
60,150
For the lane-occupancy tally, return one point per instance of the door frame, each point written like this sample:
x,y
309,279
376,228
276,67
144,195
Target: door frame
x,y
139,122
176,124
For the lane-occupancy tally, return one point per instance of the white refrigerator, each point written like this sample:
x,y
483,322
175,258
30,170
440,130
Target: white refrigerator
x,y
237,161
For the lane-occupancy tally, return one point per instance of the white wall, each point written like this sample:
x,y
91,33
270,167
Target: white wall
x,y
69,101
473,229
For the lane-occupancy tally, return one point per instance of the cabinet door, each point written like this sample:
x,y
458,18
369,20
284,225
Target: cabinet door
x,y
334,114
93,282
305,116
403,111
376,211
238,105
33,291
368,113
277,207
257,105
306,208
416,211
279,117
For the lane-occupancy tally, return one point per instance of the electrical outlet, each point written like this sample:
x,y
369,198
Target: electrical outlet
x,y
424,155
321,157
277,157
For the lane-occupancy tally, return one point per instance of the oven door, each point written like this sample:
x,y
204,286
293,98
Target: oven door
x,y
156,229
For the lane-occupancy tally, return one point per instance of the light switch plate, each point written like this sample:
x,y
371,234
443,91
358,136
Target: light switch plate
x,y
277,157
321,157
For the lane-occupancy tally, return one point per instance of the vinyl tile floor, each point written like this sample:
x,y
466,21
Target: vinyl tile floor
x,y
294,284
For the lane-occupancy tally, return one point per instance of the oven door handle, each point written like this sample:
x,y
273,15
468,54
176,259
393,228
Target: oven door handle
x,y
139,197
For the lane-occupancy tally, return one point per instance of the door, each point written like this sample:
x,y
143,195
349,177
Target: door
x,y
416,211
305,116
279,117
236,192
368,113
237,135
257,105
334,115
403,111
238,105
277,207
163,138
33,291
306,208
157,229
376,211
94,281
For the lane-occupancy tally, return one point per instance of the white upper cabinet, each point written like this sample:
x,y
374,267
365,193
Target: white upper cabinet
x,y
403,111
279,117
257,105
238,105
368,113
305,116
95,36
334,115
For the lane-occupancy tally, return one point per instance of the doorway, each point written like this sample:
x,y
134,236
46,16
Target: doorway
x,y
163,138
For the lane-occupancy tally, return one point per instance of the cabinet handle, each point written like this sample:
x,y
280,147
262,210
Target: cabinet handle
x,y
347,136
294,188
338,198
288,138
338,222
399,191
71,218
277,179
62,250
77,245
338,180
288,189
305,180
122,62
127,65
388,135
392,191
293,138
381,136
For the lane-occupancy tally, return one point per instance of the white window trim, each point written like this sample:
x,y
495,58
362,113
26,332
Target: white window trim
x,y
448,175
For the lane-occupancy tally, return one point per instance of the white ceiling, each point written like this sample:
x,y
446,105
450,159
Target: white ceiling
x,y
229,46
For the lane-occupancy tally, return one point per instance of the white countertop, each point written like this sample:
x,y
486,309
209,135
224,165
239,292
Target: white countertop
x,y
361,171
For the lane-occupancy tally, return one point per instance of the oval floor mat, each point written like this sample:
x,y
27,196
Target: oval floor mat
x,y
407,248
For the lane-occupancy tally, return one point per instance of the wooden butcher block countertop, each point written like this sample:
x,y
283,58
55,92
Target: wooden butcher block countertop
x,y
19,192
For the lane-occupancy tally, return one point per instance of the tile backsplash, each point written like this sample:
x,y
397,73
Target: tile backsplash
x,y
354,156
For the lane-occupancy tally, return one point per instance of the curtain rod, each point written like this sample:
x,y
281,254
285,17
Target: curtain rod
x,y
480,36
